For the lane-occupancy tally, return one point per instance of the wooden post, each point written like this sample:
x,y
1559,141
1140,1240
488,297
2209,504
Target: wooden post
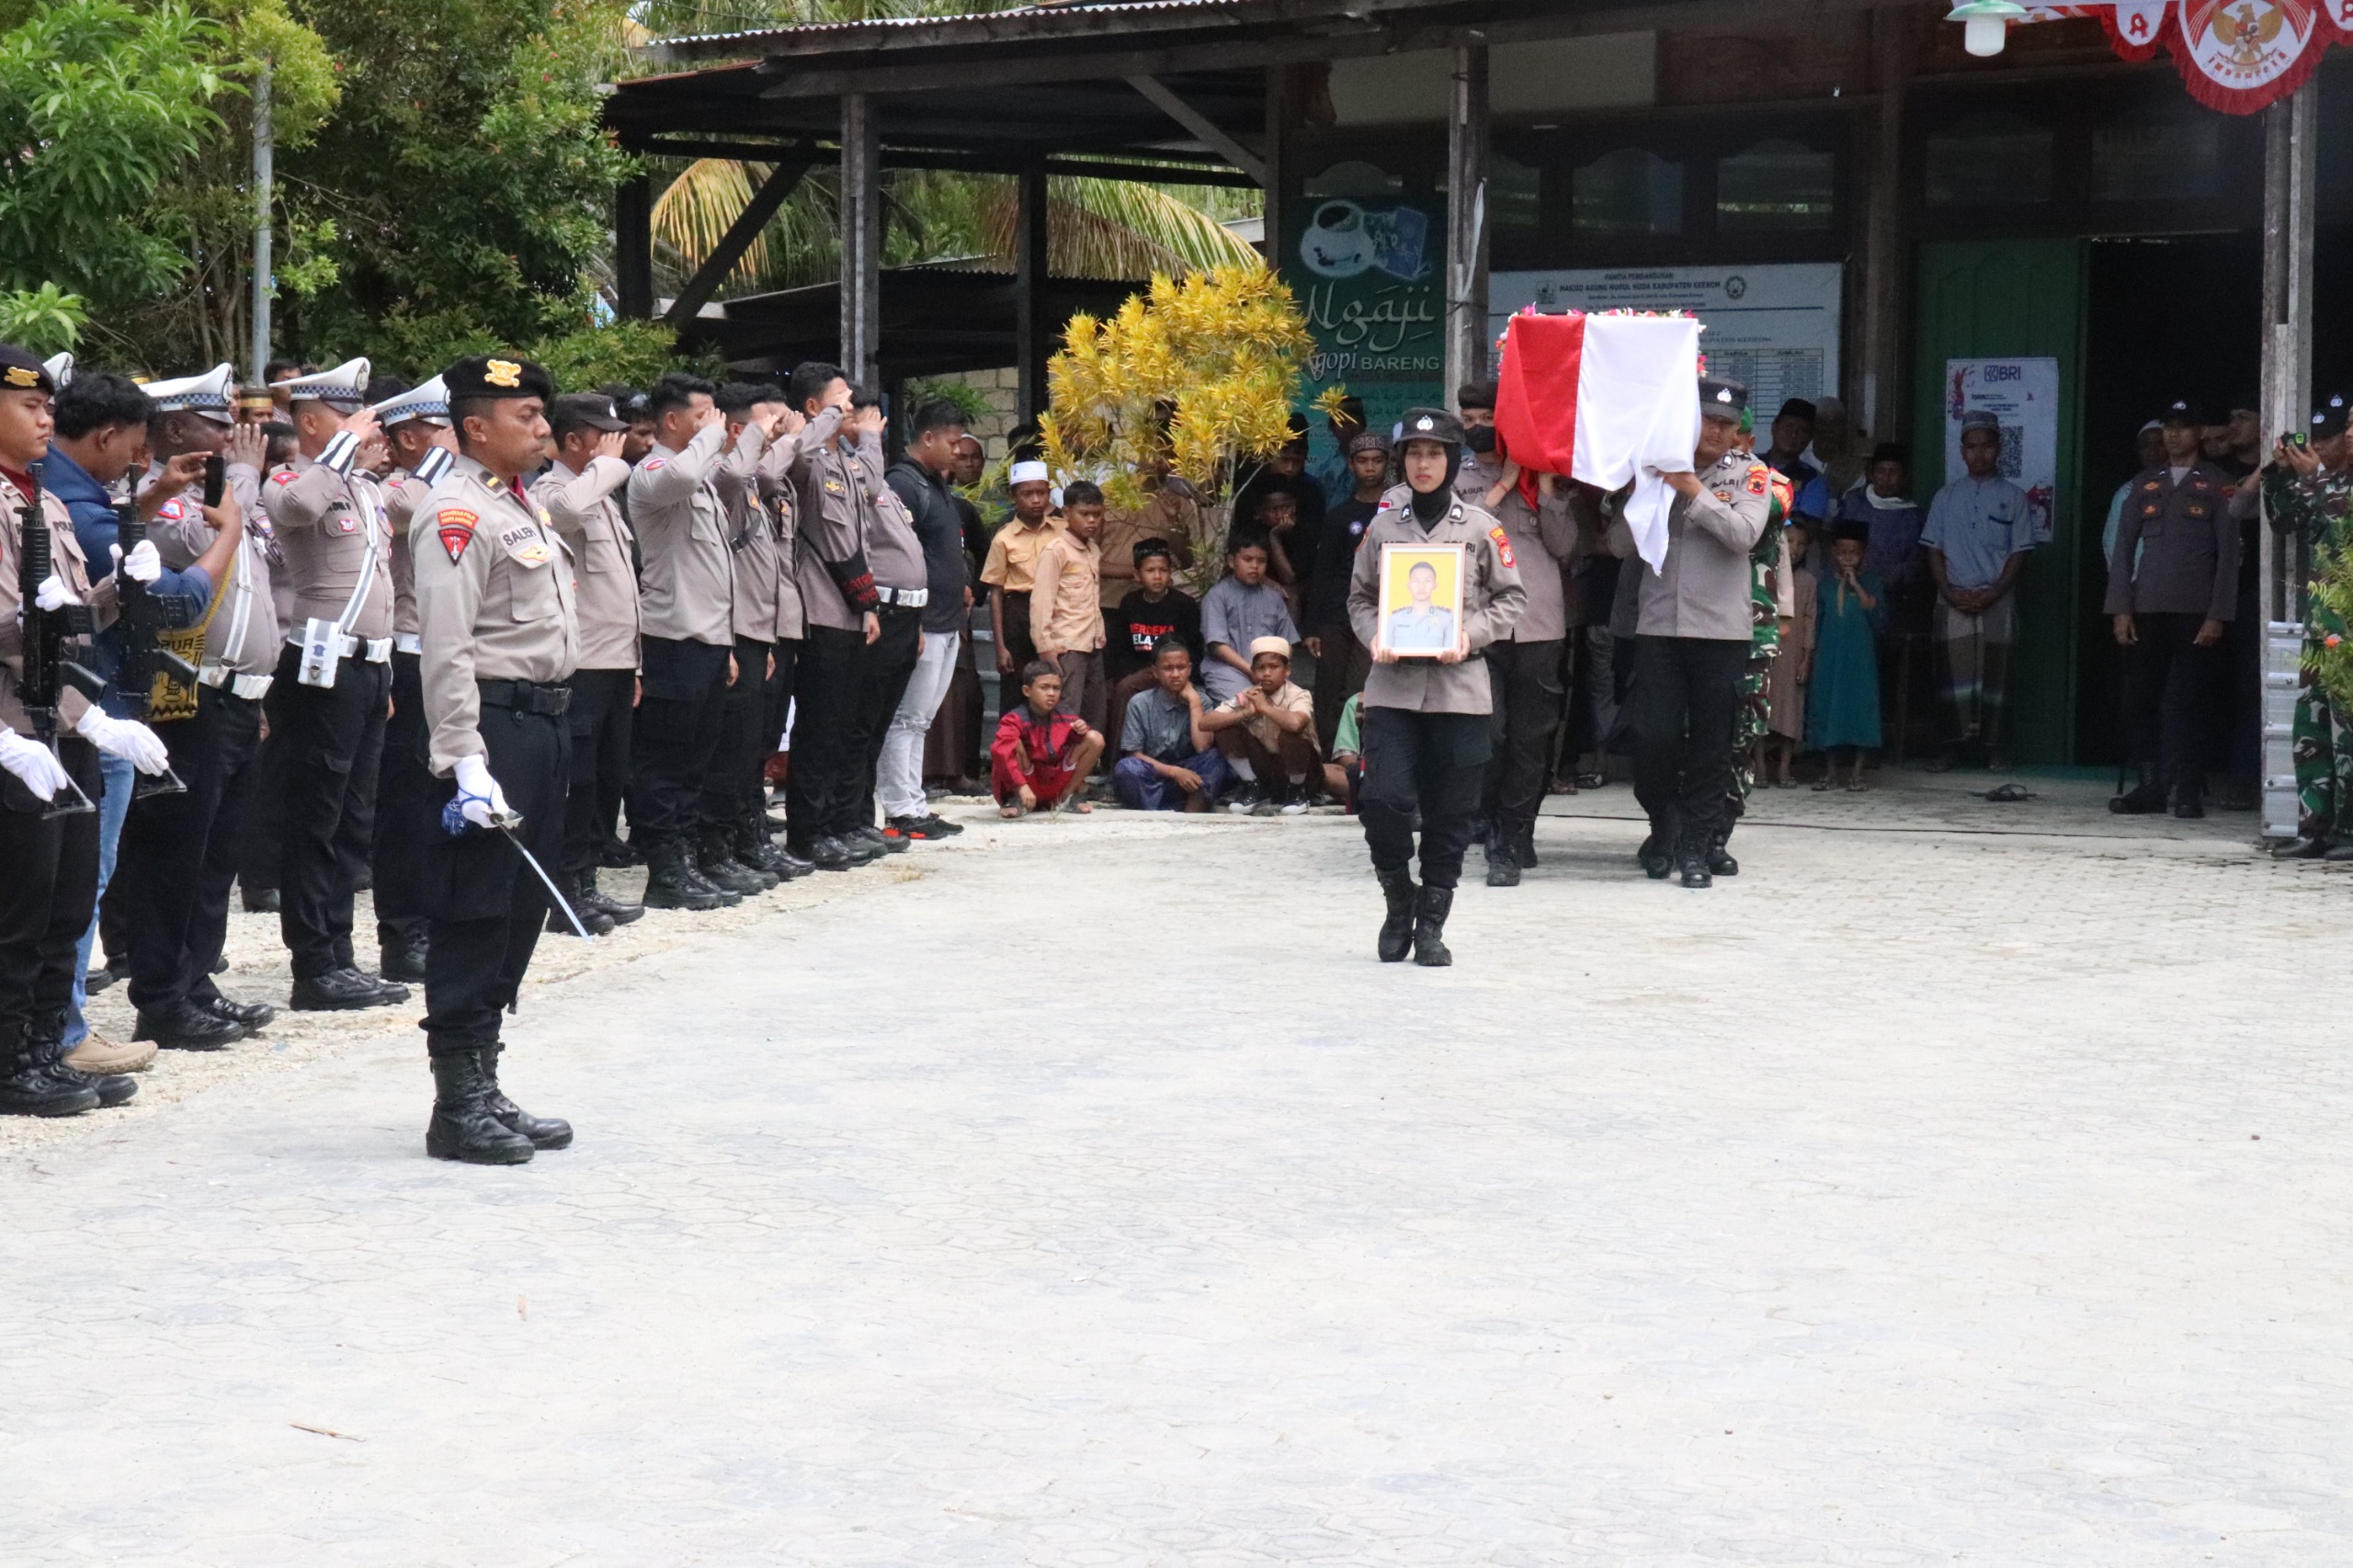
x,y
1466,220
860,222
1033,333
1879,402
634,249
1277,161
2290,142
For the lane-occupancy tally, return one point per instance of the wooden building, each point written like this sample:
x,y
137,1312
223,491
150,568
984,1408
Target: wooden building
x,y
1856,203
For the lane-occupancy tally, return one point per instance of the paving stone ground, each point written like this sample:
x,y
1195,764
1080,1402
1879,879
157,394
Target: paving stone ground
x,y
1965,1183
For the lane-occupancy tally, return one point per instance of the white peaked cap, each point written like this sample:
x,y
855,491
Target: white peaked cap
x,y
207,394
61,370
429,402
345,385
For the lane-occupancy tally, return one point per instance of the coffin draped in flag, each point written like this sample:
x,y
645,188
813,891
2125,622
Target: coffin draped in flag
x,y
1605,399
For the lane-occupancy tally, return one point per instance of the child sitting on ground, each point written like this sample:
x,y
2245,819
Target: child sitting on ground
x,y
1268,733
1842,709
1041,756
1168,761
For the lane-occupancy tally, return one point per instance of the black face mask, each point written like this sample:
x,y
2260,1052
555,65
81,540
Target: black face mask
x,y
1480,439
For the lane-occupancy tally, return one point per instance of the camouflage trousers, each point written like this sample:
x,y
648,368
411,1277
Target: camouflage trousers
x,y
2324,750
1748,728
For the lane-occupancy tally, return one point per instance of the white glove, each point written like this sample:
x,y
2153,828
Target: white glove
x,y
53,593
126,738
142,566
479,799
34,763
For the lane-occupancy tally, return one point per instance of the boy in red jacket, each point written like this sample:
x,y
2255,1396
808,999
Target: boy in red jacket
x,y
1040,757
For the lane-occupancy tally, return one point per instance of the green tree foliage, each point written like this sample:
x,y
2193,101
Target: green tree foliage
x,y
464,173
100,104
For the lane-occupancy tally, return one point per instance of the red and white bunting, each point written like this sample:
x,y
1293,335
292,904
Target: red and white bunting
x,y
2234,55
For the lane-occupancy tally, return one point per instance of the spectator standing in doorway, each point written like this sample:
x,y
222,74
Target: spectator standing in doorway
x,y
2172,589
1979,531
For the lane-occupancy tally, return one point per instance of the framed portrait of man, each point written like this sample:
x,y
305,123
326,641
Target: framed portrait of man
x,y
1421,598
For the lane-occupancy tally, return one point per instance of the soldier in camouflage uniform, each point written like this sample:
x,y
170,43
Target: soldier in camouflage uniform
x,y
1769,568
2308,493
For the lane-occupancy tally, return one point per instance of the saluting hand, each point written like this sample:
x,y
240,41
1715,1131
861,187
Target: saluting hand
x,y
609,445
246,444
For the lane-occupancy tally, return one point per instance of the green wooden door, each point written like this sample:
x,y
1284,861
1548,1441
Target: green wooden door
x,y
2007,298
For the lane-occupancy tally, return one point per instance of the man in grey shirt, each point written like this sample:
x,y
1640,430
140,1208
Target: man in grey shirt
x,y
1691,642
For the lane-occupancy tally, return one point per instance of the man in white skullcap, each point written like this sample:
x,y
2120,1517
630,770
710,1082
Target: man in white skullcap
x,y
334,679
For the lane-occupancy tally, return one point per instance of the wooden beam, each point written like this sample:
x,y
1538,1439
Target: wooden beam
x,y
1280,110
966,160
860,224
1212,135
1466,220
634,249
2292,140
1031,328
756,215
1885,282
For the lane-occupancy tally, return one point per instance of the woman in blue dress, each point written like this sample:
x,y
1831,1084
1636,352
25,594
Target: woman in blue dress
x,y
1842,703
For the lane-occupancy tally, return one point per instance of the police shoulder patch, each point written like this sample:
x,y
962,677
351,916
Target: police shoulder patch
x,y
283,476
1760,478
1503,544
455,528
171,511
653,465
2153,484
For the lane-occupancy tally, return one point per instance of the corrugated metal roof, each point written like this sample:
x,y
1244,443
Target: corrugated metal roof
x,y
819,29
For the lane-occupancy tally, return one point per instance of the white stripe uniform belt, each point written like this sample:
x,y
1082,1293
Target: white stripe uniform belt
x,y
905,598
409,642
253,688
376,650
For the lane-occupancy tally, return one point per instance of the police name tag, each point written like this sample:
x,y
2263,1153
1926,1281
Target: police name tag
x,y
322,650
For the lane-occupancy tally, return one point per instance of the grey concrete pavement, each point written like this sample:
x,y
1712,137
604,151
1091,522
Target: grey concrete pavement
x,y
1922,1196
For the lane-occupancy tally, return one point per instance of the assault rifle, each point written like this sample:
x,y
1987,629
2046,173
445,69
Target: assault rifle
x,y
144,657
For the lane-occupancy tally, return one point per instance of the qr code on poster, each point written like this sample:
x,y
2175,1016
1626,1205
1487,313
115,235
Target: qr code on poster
x,y
2013,452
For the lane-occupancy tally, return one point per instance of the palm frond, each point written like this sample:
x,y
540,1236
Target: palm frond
x,y
694,213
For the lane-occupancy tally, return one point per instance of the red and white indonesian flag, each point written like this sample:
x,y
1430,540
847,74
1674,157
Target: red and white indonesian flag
x,y
1605,399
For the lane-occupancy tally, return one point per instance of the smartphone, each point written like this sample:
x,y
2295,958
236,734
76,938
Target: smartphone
x,y
216,479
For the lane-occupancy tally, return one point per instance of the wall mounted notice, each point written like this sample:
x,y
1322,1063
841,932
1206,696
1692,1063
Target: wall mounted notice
x,y
2024,395
1774,328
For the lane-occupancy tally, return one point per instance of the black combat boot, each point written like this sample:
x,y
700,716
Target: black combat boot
x,y
1719,860
1397,926
27,1088
1430,910
1503,859
400,951
668,885
46,1036
2188,798
826,853
1691,859
544,1131
1523,848
1655,857
620,911
462,1127
2144,799
189,1026
721,868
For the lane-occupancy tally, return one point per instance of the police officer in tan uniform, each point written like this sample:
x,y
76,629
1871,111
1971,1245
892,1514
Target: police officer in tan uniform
x,y
501,638
417,431
580,492
179,854
331,696
49,864
1427,733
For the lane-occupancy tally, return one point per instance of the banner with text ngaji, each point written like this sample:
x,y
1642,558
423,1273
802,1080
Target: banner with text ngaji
x,y
1370,273
2234,55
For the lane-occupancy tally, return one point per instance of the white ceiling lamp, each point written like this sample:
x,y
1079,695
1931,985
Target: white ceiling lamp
x,y
1986,24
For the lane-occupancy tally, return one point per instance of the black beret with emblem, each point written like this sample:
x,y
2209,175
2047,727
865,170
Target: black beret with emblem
x,y
493,375
1721,400
20,371
1429,425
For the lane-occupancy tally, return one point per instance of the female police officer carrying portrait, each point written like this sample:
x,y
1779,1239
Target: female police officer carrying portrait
x,y
1425,720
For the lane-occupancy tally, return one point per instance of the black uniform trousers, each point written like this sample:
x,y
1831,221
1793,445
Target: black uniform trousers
x,y
1433,763
1529,698
676,736
404,783
777,718
180,853
731,789
600,720
890,665
258,850
821,792
335,742
2171,683
485,907
49,886
1685,701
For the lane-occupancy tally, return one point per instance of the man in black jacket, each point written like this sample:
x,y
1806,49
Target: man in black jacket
x,y
920,480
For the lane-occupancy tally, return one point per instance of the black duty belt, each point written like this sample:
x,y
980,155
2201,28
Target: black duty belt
x,y
526,696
